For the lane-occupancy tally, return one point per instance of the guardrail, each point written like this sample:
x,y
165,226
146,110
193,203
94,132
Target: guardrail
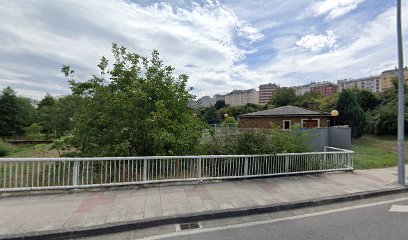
x,y
19,174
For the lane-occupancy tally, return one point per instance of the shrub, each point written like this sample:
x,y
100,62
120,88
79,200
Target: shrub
x,y
249,142
5,148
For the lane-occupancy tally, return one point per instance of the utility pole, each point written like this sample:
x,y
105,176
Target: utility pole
x,y
401,88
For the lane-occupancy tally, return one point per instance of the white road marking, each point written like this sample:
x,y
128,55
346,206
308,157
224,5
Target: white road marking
x,y
398,208
241,225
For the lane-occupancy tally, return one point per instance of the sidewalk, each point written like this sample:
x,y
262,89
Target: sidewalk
x,y
24,214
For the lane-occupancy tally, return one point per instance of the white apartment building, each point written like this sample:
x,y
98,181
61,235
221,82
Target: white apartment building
x,y
204,102
300,90
371,83
242,97
218,97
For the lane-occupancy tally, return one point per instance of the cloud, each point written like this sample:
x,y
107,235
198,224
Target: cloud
x,y
222,45
372,51
318,42
198,39
334,8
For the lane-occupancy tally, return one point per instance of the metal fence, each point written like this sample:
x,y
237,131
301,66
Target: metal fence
x,y
18,174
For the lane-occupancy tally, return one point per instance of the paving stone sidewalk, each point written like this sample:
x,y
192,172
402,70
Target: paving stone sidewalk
x,y
23,214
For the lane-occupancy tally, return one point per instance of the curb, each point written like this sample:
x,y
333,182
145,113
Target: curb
x,y
193,217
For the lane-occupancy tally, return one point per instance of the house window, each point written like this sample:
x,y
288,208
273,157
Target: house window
x,y
286,124
311,123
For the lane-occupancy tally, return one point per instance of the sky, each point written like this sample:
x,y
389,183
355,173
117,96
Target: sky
x,y
221,45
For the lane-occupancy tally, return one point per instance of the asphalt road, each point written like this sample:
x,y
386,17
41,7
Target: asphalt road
x,y
364,219
365,223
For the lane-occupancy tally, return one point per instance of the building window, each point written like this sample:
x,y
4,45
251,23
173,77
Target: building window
x,y
286,124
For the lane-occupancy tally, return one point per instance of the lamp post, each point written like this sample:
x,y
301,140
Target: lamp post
x,y
226,124
334,114
401,88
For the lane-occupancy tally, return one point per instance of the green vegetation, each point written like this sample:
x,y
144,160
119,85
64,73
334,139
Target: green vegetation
x,y
284,96
15,113
375,152
351,113
134,107
5,148
30,150
268,141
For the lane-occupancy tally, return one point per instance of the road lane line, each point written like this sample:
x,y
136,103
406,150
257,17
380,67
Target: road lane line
x,y
398,208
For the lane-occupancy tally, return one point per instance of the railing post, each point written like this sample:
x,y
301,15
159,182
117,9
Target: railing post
x,y
144,170
246,167
75,174
199,168
286,164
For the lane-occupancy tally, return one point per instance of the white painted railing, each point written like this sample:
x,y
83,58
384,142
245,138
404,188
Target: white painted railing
x,y
18,174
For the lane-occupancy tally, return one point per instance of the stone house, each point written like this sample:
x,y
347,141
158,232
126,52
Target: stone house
x,y
285,117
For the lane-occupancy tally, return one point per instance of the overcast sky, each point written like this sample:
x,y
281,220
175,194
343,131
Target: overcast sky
x,y
221,45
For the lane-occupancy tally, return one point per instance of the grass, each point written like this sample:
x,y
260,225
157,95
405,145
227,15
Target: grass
x,y
33,150
375,152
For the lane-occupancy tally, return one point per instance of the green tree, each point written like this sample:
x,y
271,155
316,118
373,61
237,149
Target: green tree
x,y
382,120
328,103
33,132
284,96
211,116
47,101
63,113
310,100
220,104
230,121
27,112
350,113
138,107
11,122
367,99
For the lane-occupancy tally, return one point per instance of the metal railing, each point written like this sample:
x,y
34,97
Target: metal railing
x,y
18,174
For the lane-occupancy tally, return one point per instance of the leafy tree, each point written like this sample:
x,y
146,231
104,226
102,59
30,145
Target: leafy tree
x,y
138,107
310,100
328,103
11,122
33,132
350,113
47,101
56,115
382,120
367,99
230,121
249,108
220,104
211,116
27,112
284,96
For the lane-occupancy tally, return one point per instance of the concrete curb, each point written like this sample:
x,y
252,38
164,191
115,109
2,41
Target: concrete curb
x,y
193,217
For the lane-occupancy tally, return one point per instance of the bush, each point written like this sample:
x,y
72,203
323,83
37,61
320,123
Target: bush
x,y
249,142
33,132
5,148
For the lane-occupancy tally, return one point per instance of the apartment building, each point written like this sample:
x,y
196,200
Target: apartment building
x,y
218,97
371,83
266,91
242,97
325,88
204,102
387,76
300,90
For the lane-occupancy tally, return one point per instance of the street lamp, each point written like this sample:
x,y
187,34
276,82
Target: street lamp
x,y
401,87
226,124
334,114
